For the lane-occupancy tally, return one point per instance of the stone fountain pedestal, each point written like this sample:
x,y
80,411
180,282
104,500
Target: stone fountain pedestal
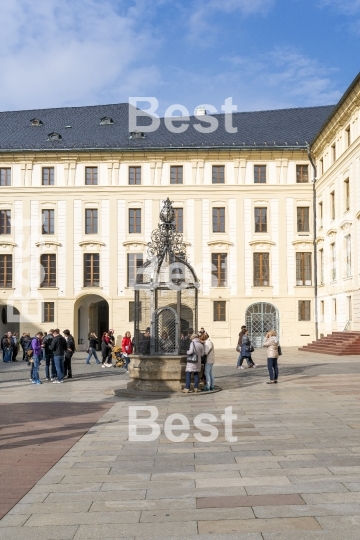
x,y
162,373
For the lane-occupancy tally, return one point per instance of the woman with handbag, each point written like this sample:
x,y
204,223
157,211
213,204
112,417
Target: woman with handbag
x,y
245,350
272,344
193,363
209,360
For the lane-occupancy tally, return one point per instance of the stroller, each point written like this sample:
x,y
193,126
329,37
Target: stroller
x,y
118,357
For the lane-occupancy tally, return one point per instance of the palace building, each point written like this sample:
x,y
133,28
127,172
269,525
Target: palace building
x,y
81,191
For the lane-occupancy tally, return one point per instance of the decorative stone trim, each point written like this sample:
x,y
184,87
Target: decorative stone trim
x,y
134,243
7,244
47,244
302,243
262,244
331,233
219,243
91,244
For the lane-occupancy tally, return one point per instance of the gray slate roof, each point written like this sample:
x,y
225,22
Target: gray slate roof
x,y
276,128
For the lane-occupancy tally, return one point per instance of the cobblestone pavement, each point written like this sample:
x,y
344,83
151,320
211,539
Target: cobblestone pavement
x,y
292,474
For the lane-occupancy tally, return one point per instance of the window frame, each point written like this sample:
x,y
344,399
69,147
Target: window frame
x,y
50,181
5,171
262,280
50,212
303,220
333,260
5,222
348,269
134,221
92,221
219,311
93,172
302,178
303,269
219,269
90,279
218,219
304,310
132,267
178,219
260,174
49,269
346,195
48,312
6,269
218,174
332,205
260,225
178,178
134,178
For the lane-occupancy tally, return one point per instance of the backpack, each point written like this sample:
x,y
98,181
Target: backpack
x,y
28,348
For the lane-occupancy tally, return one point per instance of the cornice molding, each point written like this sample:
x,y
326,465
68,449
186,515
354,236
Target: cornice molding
x,y
319,240
219,242
134,243
47,243
346,224
331,232
91,243
262,243
7,244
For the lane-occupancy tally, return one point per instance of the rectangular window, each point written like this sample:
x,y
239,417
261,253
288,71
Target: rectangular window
x,y
349,308
303,269
91,221
48,221
219,311
134,262
321,266
259,174
218,215
5,176
348,255
260,219
321,171
218,269
346,195
303,219
304,310
322,311
178,221
218,174
333,152
261,270
5,271
334,310
319,219
134,176
92,270
48,177
332,204
48,270
347,137
48,312
5,221
302,174
333,261
91,176
131,311
135,220
176,174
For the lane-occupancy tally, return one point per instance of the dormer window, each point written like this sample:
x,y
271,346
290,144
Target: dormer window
x,y
54,136
106,121
36,122
136,135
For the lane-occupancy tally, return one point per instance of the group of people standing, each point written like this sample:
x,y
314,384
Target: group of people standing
x,y
245,348
107,345
54,349
200,355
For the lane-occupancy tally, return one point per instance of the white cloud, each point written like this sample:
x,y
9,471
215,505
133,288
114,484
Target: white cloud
x,y
349,7
73,52
203,30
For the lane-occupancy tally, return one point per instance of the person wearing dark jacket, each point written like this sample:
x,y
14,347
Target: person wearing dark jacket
x,y
7,345
58,346
245,351
70,349
93,343
144,345
49,356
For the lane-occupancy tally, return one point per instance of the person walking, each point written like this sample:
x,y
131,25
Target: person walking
x,y
37,355
93,343
272,344
16,346
246,350
58,347
49,356
209,353
195,352
105,347
22,343
70,349
241,349
112,345
127,348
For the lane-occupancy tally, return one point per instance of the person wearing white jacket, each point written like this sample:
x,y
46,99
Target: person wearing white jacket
x,y
209,351
272,344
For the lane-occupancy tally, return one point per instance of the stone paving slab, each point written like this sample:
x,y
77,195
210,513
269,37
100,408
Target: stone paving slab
x,y
292,474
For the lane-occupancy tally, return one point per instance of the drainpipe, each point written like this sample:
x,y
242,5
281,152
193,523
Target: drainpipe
x,y
315,248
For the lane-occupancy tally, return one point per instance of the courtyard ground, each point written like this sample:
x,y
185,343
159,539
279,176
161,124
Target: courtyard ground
x,y
69,471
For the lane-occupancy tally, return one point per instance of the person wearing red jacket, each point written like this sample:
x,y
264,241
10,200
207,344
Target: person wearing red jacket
x,y
126,348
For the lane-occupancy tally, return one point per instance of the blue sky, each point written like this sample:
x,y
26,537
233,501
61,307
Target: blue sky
x,y
266,54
